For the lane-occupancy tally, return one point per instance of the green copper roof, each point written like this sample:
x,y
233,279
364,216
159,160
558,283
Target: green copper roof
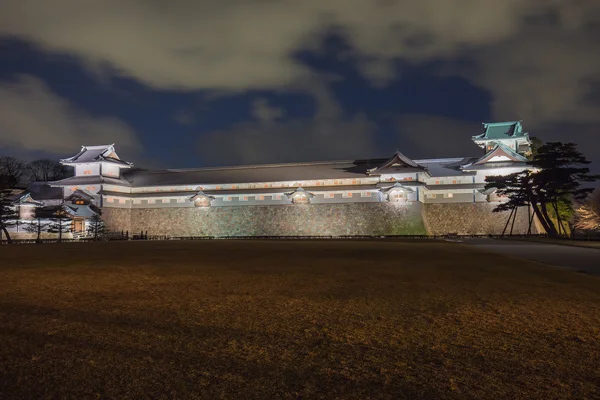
x,y
501,130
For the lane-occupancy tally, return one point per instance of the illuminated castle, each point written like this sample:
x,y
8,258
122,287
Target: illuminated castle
x,y
122,192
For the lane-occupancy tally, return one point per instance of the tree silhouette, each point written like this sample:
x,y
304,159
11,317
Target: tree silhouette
x,y
554,181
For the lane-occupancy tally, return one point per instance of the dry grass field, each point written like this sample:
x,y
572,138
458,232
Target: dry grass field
x,y
292,319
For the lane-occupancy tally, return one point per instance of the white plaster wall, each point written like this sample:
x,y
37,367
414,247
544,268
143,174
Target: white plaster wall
x,y
110,170
81,168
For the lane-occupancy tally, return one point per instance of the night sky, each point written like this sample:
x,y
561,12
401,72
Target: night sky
x,y
196,83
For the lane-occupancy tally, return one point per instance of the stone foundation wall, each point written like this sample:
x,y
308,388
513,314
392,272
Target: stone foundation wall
x,y
316,220
116,219
471,219
292,220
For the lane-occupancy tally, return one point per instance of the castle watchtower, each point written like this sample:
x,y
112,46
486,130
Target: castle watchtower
x,y
510,134
97,161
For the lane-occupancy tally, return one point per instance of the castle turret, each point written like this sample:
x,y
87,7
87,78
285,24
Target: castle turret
x,y
509,134
97,161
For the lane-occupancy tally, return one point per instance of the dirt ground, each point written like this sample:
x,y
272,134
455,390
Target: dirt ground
x,y
292,319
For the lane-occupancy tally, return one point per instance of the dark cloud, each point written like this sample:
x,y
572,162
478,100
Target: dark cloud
x,y
428,136
328,135
296,140
33,118
241,44
538,59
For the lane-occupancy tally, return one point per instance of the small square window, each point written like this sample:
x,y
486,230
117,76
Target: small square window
x,y
181,200
218,188
448,195
261,197
330,195
151,201
277,197
244,198
137,202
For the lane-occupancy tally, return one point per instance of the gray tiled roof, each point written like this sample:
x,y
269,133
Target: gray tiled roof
x,y
94,154
253,173
450,167
40,191
76,210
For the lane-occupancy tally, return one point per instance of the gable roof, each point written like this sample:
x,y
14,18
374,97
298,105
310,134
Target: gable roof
x,y
39,191
82,194
397,163
500,156
105,153
25,199
395,187
501,130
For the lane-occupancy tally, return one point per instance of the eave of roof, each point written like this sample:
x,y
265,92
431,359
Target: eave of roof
x,y
229,192
89,180
496,165
458,186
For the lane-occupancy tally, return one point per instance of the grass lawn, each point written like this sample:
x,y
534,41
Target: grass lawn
x,y
292,319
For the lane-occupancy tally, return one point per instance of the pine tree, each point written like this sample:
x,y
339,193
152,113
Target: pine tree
x,y
555,181
60,223
96,226
8,214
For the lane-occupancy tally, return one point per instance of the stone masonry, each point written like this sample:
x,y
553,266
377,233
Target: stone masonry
x,y
293,220
471,219
370,219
